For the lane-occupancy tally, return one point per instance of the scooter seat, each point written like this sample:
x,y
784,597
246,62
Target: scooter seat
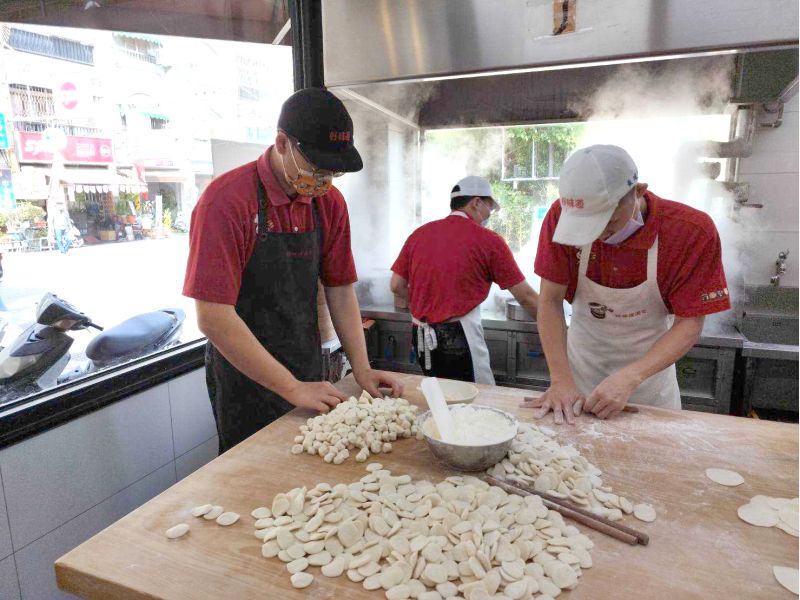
x,y
131,336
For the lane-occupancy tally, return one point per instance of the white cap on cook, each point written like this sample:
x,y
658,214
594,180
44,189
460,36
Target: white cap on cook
x,y
471,186
592,182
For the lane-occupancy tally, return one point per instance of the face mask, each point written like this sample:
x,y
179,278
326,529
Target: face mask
x,y
632,226
485,222
306,183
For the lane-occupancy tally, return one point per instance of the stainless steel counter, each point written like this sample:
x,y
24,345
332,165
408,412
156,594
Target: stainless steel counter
x,y
719,330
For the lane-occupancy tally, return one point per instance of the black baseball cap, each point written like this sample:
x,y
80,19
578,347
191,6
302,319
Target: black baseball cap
x,y
323,129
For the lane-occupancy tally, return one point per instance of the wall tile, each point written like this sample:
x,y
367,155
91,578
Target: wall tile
x,y
192,419
52,477
35,562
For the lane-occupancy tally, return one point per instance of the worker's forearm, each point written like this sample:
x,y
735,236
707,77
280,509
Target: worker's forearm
x,y
676,342
231,336
346,317
553,332
530,302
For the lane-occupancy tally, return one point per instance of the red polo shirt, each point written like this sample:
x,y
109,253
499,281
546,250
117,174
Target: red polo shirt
x,y
450,265
224,230
689,274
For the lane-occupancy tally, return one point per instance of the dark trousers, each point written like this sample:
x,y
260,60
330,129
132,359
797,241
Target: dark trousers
x,y
452,358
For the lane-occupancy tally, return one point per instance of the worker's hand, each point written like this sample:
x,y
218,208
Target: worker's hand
x,y
561,398
611,396
316,395
371,380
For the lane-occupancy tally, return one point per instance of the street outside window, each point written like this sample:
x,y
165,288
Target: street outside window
x,y
106,146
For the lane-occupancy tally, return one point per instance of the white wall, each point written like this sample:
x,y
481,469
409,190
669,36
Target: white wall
x,y
772,172
61,487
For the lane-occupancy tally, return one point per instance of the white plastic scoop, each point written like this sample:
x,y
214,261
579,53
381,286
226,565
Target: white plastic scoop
x,y
436,402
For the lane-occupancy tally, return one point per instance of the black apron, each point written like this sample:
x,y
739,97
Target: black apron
x,y
278,302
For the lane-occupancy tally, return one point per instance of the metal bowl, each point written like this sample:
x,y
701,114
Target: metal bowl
x,y
468,458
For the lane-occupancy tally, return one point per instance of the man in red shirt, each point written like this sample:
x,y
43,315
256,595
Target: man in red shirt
x,y
261,237
640,272
445,269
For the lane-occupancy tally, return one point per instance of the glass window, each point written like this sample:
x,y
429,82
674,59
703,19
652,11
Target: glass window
x,y
107,150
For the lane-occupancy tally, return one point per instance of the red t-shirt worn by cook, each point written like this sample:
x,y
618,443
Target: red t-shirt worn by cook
x,y
450,265
689,272
224,230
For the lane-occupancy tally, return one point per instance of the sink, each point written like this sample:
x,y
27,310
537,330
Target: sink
x,y
770,315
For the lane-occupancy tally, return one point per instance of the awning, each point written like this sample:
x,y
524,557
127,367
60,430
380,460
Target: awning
x,y
96,176
164,176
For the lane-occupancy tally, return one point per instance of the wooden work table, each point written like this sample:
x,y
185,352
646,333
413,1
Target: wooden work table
x,y
698,546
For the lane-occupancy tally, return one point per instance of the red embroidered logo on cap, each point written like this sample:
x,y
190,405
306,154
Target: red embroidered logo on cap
x,y
339,136
571,202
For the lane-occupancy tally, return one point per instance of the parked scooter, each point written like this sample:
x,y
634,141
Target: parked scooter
x,y
36,359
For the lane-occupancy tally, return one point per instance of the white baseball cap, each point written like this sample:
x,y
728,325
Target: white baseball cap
x,y
592,182
472,185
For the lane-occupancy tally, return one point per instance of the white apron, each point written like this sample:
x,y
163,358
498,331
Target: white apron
x,y
611,328
473,331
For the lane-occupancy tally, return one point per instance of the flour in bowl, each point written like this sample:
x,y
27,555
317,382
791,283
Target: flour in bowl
x,y
477,426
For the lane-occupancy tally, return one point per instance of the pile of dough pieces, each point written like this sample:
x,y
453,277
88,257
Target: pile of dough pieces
x,y
458,539
763,511
210,512
535,458
367,423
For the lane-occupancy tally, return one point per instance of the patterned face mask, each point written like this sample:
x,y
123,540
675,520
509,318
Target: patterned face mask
x,y
308,183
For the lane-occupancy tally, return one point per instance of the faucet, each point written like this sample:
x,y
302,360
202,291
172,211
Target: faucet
x,y
780,268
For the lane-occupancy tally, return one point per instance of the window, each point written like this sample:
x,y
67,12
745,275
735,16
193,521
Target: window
x,y
31,101
535,152
134,167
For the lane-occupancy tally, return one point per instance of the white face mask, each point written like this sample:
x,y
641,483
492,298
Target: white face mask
x,y
633,225
485,222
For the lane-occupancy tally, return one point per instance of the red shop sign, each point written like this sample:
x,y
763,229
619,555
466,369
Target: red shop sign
x,y
78,150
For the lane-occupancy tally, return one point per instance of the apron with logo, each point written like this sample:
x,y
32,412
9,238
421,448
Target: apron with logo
x,y
278,303
611,328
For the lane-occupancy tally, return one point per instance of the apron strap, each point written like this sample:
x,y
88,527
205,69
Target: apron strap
x,y
583,265
263,207
652,261
426,340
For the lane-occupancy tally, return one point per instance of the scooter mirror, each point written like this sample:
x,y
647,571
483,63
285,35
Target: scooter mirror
x,y
55,312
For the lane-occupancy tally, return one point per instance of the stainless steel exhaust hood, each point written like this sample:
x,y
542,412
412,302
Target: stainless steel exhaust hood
x,y
368,41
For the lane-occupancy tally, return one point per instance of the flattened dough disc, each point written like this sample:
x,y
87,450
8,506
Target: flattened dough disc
x,y
758,515
787,577
725,477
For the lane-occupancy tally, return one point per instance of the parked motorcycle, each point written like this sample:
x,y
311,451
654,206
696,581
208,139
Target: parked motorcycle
x,y
36,359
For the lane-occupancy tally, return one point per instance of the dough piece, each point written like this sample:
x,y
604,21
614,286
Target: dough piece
x,y
261,513
228,518
757,515
725,477
297,565
789,516
177,531
644,512
199,511
301,579
212,514
787,577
